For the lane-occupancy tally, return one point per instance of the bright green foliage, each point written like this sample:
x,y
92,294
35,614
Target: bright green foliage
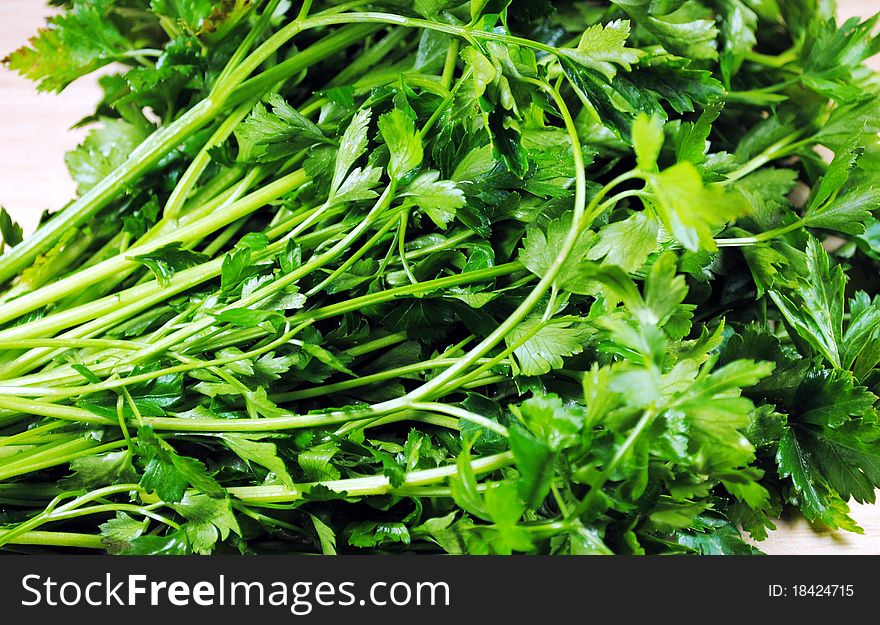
x,y
534,277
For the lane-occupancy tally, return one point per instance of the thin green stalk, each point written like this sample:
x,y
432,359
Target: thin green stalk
x,y
57,539
374,485
187,232
449,64
461,413
167,138
190,177
356,256
392,42
87,206
781,148
401,242
52,461
347,385
340,308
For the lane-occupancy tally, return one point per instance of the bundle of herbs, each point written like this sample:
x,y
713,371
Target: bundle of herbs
x,y
443,276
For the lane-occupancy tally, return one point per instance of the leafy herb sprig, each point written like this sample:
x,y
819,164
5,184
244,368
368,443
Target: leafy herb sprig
x,y
473,277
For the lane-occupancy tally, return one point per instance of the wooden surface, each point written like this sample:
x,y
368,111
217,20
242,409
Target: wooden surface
x,y
35,132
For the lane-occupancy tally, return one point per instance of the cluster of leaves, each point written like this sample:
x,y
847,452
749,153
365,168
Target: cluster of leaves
x,y
558,277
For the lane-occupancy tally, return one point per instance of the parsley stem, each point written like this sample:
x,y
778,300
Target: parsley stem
x,y
163,141
449,423
70,343
449,64
356,256
334,310
188,231
198,165
775,61
761,237
374,485
781,148
377,344
83,447
56,539
133,54
461,413
401,241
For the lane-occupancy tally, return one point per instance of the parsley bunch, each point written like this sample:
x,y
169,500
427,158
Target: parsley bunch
x,y
443,276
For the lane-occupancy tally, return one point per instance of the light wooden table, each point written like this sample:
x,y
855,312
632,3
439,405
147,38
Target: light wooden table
x,y
35,132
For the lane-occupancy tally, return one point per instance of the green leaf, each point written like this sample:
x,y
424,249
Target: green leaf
x,y
10,232
119,532
316,462
847,458
505,509
190,12
440,199
208,520
105,148
664,291
168,474
847,213
351,147
112,467
224,17
165,261
692,211
368,534
691,142
326,536
442,531
403,141
766,191
463,485
265,137
327,357
74,43
541,345
715,537
647,140
535,462
686,35
815,498
834,56
552,420
738,26
627,243
358,185
830,397
250,449
833,207
542,246
671,79
814,307
249,318
603,46
391,469
863,328
174,544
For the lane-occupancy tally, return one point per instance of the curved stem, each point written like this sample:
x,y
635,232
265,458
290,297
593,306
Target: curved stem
x,y
461,413
546,282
